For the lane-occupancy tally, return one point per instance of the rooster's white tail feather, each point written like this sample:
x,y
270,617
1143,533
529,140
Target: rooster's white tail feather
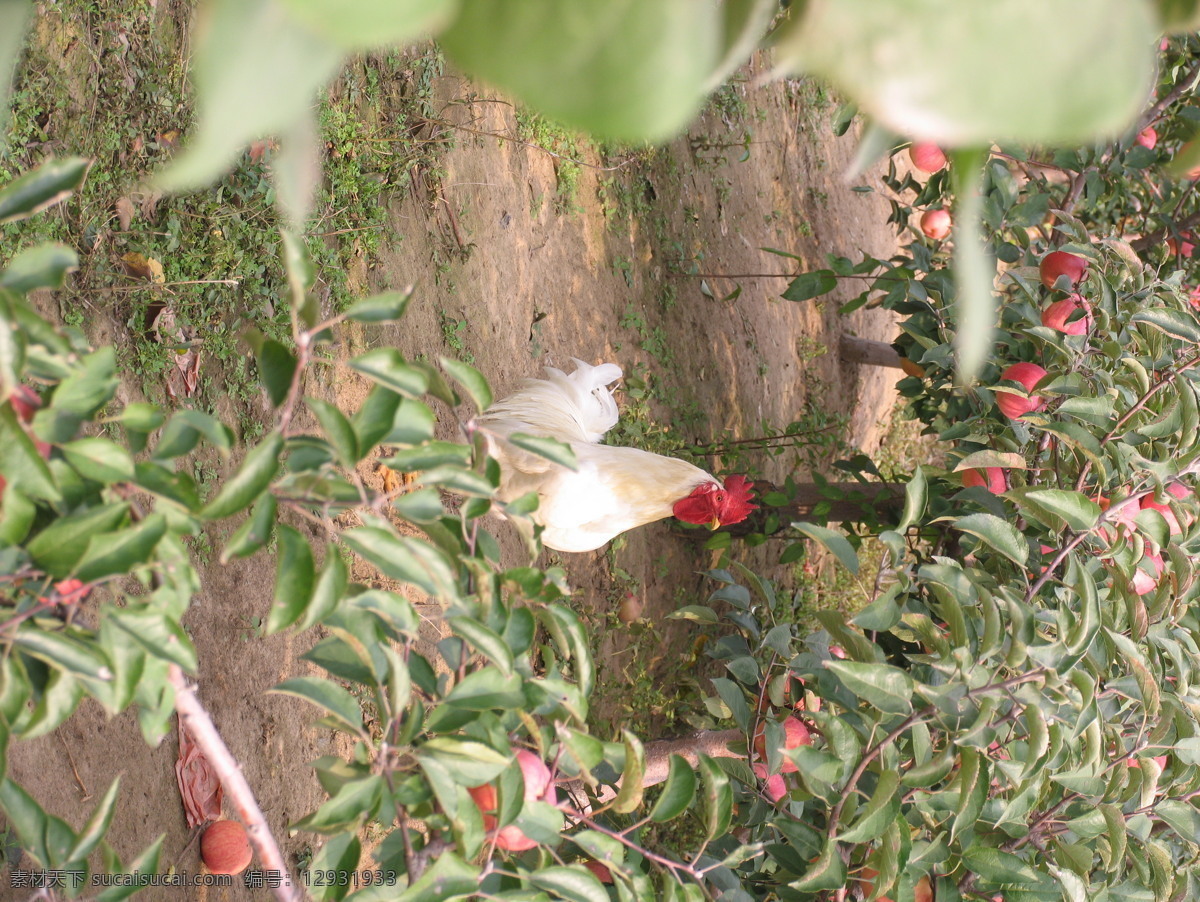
x,y
578,407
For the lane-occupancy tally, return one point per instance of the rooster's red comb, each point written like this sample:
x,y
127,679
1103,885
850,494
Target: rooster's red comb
x,y
739,496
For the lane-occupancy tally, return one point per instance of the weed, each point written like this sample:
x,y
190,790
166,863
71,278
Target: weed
x,y
567,147
454,332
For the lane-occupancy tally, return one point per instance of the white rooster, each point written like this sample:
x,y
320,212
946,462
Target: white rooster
x,y
613,489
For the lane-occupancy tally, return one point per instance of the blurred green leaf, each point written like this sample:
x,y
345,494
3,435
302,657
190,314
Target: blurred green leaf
x,y
256,71
834,541
113,553
387,367
254,531
294,575
983,67
44,266
633,70
53,181
329,697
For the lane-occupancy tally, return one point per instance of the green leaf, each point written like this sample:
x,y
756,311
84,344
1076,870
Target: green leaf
x,y
745,23
483,640
678,792
389,306
485,689
996,866
372,23
1000,534
916,497
867,49
633,70
14,17
575,884
256,71
386,366
471,380
60,546
472,762
52,182
404,558
827,872
878,813
97,825
250,481
1174,323
114,553
990,458
328,592
834,541
373,420
338,431
158,634
974,270
629,795
43,266
276,369
449,877
809,285
717,796
20,461
99,459
328,696
1077,510
553,450
294,574
886,687
140,868
63,652
254,531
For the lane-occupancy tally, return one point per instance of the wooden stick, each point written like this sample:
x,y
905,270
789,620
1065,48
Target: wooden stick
x,y
204,732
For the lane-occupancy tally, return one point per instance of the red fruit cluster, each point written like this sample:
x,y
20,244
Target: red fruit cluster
x,y
1010,403
538,788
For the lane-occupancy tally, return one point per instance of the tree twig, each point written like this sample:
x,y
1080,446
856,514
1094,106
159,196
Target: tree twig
x,y
204,732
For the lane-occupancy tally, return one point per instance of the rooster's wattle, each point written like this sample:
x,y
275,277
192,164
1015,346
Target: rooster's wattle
x,y
613,489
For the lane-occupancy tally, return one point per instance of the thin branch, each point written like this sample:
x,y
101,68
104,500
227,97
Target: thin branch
x,y
204,732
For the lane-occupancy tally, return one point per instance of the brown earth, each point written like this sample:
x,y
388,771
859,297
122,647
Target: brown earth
x,y
609,272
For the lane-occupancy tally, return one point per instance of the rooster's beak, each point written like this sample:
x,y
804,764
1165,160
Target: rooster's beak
x,y
714,523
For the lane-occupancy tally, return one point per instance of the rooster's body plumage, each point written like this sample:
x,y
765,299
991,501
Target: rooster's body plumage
x,y
613,489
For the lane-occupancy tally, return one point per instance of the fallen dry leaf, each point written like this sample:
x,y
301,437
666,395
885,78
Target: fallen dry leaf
x,y
169,140
124,207
199,786
142,267
149,203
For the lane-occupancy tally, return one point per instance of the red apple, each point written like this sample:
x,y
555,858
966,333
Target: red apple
x,y
538,788
1147,137
1160,760
1010,403
1182,246
225,848
1143,582
774,786
935,224
926,156
1148,503
1060,263
25,402
795,734
603,874
994,481
1059,315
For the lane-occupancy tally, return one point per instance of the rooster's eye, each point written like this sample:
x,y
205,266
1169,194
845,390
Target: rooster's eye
x,y
719,497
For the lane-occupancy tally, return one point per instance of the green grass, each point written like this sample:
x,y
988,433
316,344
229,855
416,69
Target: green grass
x,y
568,148
123,106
